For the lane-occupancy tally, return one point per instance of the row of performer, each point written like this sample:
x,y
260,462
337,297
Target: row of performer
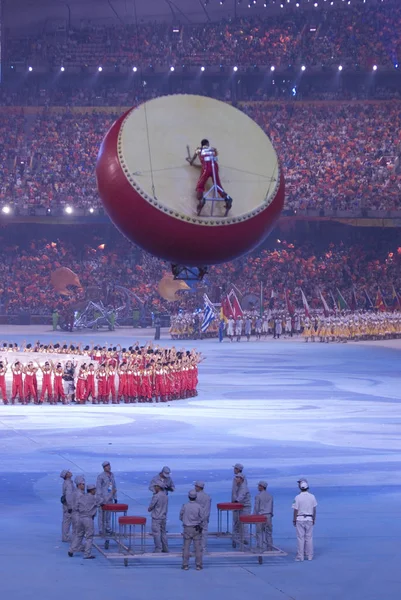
x,y
161,379
79,511
353,327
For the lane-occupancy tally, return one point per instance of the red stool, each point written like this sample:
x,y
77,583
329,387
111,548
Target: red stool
x,y
251,520
126,531
228,508
109,526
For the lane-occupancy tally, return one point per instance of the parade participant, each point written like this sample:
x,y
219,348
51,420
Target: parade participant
x,y
264,506
242,496
87,507
248,328
29,388
158,508
208,157
90,390
145,392
304,518
71,504
66,492
107,493
238,468
191,515
205,501
101,376
3,371
238,328
165,477
47,387
58,384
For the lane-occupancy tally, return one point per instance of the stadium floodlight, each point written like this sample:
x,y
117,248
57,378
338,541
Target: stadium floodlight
x,y
172,68
91,210
297,5
6,210
375,67
203,69
316,5
396,66
30,69
281,5
62,69
235,69
135,69
272,68
100,69
303,68
68,210
340,67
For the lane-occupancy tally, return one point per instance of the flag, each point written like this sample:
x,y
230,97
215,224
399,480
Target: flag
x,y
334,302
236,309
354,303
395,300
341,302
208,313
325,305
368,301
271,301
380,303
305,303
290,306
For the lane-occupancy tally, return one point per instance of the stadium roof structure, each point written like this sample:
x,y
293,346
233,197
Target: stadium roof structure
x,y
28,13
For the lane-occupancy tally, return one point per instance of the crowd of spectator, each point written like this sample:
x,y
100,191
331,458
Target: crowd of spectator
x,y
351,35
26,265
337,156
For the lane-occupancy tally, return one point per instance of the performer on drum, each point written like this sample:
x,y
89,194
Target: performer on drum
x,y
208,157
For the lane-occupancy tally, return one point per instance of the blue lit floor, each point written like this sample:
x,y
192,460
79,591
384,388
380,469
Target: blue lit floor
x,y
331,413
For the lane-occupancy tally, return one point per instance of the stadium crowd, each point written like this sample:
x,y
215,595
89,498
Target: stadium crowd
x,y
352,35
351,162
363,267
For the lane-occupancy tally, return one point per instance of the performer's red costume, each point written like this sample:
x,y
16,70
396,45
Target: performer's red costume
x,y
122,385
17,389
102,387
58,386
90,386
207,155
111,386
80,392
3,385
47,386
29,387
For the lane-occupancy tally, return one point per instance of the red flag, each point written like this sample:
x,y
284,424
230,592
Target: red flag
x,y
290,306
236,309
305,303
380,304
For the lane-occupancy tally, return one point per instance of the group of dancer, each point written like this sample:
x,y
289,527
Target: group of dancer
x,y
139,374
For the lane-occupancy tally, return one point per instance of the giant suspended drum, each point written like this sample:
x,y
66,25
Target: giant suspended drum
x,y
148,188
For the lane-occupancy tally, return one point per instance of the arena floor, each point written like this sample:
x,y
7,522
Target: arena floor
x,y
331,413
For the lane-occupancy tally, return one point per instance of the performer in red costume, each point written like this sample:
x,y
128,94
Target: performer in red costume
x,y
207,156
58,384
3,371
17,388
111,384
29,387
101,377
47,387
122,384
80,392
90,383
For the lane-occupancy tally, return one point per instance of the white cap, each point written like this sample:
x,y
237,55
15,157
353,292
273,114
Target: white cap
x,y
192,494
263,484
64,473
200,484
238,466
166,471
79,479
90,486
105,463
304,485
